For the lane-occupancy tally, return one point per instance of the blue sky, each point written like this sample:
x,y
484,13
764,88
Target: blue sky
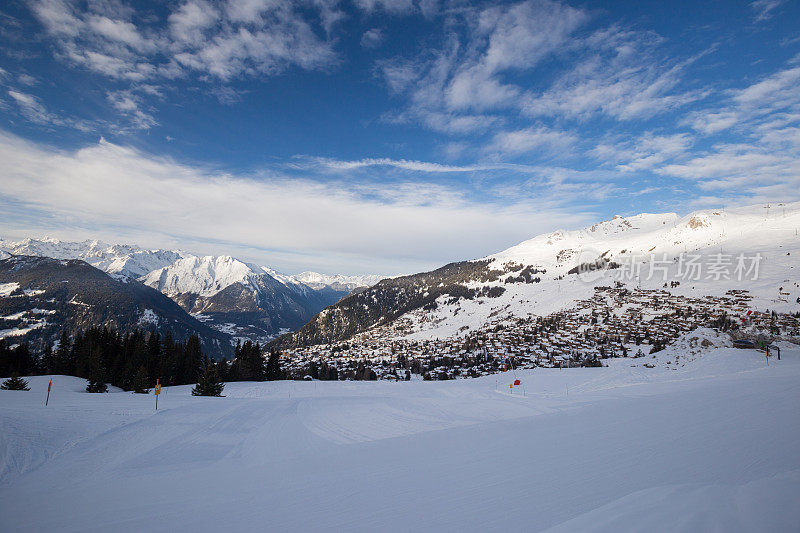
x,y
387,136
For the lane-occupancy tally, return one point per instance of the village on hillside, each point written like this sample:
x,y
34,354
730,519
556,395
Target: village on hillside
x,y
616,322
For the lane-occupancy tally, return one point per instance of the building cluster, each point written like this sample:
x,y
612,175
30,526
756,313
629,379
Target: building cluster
x,y
616,322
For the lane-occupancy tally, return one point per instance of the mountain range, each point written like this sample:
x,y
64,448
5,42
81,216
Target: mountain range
x,y
750,248
237,299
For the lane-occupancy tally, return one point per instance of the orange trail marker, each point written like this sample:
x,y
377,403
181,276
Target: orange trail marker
x,y
157,391
48,392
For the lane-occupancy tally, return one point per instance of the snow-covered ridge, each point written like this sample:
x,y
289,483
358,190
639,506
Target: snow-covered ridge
x,y
667,233
205,276
315,279
117,259
176,272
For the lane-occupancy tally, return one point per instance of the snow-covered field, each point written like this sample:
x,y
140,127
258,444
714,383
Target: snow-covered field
x,y
712,445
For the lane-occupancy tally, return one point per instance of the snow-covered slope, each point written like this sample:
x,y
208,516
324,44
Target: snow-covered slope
x,y
123,260
708,446
730,230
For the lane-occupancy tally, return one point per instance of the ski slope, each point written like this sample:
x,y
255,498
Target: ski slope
x,y
711,443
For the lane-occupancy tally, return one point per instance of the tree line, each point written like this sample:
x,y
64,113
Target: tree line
x,y
133,361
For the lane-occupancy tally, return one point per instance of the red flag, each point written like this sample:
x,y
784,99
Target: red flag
x,y
49,384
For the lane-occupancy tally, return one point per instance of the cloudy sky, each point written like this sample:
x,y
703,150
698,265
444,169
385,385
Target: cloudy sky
x,y
386,136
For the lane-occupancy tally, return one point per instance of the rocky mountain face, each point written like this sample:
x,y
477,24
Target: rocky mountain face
x,y
41,296
240,298
234,297
391,298
753,248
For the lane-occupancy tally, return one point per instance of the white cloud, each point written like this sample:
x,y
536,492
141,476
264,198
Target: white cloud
x,y
403,164
389,6
372,38
27,79
764,8
35,111
619,78
189,22
644,152
121,31
130,104
609,71
58,17
252,37
776,97
289,223
212,43
535,139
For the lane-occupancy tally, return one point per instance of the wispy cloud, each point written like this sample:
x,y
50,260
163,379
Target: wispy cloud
x,y
465,85
759,157
764,9
534,139
359,226
35,111
130,104
644,152
403,164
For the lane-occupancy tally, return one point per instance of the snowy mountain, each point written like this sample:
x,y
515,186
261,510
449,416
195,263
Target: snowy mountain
x,y
121,260
240,298
349,283
702,254
40,297
203,276
235,297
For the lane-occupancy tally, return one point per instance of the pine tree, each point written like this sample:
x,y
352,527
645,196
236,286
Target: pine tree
x,y
97,374
64,362
141,382
209,384
48,362
15,383
274,366
192,360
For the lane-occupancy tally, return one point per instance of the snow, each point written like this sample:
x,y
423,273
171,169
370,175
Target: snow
x,y
122,261
174,271
7,288
19,332
148,317
205,276
33,292
710,445
208,275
